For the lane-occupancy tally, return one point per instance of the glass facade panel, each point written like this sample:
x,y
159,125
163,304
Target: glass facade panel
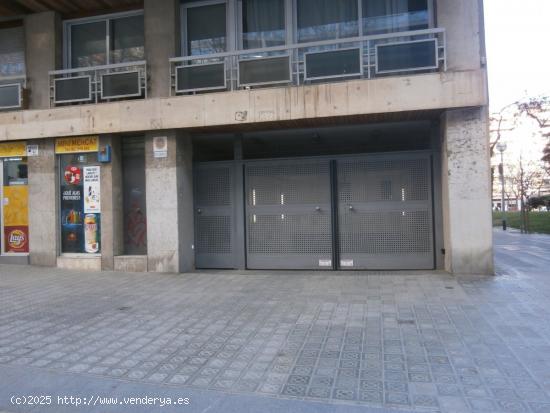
x,y
407,56
12,51
208,76
333,63
263,23
387,16
89,44
9,96
127,39
15,212
80,203
135,213
206,29
327,19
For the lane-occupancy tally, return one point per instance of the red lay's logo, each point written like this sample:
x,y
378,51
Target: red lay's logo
x,y
17,239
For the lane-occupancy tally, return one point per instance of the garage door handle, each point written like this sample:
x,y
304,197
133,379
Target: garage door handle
x,y
317,208
351,207
199,211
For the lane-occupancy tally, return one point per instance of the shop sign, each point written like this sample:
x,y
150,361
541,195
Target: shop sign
x,y
77,145
160,147
8,149
92,193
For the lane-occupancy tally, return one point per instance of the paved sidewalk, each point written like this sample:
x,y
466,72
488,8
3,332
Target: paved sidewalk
x,y
415,341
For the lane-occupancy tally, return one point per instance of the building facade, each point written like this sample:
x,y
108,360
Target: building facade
x,y
170,135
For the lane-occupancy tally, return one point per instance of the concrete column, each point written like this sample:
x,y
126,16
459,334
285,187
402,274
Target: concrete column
x,y
112,242
43,52
185,202
162,41
466,192
161,185
463,22
43,196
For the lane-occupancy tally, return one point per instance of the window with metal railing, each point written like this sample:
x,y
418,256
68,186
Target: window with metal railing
x,y
103,60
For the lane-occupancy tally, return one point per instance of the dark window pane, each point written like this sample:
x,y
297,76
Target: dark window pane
x,y
334,63
206,29
135,215
387,16
72,89
120,84
276,69
127,39
327,19
201,77
263,23
89,44
12,51
407,56
9,96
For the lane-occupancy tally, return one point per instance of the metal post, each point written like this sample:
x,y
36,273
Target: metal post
x,y
501,146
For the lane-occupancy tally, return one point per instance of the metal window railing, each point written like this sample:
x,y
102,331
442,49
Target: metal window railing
x,y
12,90
358,57
98,83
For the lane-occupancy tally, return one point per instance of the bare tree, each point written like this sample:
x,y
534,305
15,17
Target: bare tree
x,y
538,109
525,179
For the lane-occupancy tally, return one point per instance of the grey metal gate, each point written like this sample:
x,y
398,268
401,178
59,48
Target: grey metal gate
x,y
385,212
214,215
288,214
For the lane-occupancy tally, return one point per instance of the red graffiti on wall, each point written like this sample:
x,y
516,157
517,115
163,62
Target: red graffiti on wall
x,y
136,227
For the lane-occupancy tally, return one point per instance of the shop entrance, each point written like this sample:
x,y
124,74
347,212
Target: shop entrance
x,y
372,211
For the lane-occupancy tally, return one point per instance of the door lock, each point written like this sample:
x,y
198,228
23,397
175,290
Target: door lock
x,y
317,208
351,207
199,211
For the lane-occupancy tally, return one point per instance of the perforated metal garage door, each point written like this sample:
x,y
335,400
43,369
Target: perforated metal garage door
x,y
288,214
214,215
385,212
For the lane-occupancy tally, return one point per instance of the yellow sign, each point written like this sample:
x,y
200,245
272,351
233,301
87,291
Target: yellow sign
x,y
16,209
8,149
76,145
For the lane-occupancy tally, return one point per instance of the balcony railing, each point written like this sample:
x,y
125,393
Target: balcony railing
x,y
12,90
364,57
98,84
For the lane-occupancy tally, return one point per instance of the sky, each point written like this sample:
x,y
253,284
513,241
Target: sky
x,y
518,49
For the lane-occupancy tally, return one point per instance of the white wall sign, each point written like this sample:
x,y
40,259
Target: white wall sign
x,y
160,146
32,150
92,190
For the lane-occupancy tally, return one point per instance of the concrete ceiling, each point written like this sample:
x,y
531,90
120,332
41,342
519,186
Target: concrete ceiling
x,y
67,8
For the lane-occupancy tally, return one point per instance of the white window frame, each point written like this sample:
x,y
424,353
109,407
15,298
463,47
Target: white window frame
x,y
68,24
230,22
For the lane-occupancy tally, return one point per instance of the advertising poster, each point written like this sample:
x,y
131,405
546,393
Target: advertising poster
x,y
92,195
16,218
80,209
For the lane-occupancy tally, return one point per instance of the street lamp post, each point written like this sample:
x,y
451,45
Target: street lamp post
x,y
501,146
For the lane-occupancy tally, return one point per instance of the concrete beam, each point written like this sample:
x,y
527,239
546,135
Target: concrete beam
x,y
358,97
466,192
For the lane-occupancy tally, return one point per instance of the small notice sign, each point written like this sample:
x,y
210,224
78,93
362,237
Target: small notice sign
x,y
32,150
325,263
346,263
160,147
